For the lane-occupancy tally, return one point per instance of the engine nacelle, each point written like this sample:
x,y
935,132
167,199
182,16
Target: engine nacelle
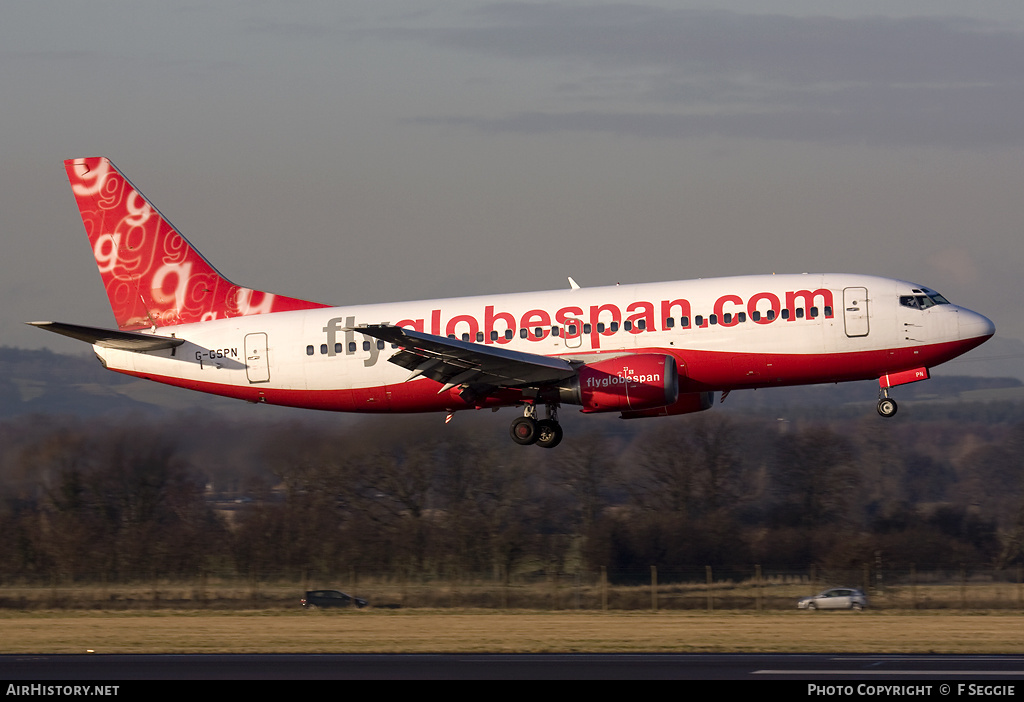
x,y
688,402
625,383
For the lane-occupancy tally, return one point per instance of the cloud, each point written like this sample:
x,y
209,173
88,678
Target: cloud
x,y
665,73
955,264
774,47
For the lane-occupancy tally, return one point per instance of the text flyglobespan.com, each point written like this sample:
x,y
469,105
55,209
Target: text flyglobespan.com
x,y
62,690
910,690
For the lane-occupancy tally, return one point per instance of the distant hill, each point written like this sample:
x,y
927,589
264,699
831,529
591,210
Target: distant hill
x,y
942,394
39,381
998,357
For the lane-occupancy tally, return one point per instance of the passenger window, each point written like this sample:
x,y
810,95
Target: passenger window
x,y
755,315
600,326
741,317
351,347
309,350
727,318
785,313
523,333
813,313
554,331
828,310
465,337
799,312
614,326
494,336
713,319
699,320
323,349
627,325
479,337
380,344
366,346
684,322
771,315
669,322
641,324
508,334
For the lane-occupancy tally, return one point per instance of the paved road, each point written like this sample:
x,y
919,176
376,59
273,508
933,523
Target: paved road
x,y
847,669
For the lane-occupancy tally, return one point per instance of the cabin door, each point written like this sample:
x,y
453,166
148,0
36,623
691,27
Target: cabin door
x,y
855,311
257,365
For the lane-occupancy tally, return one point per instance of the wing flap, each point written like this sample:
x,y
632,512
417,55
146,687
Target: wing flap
x,y
455,362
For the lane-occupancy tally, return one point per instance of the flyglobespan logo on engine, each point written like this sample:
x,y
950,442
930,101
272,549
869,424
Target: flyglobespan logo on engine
x,y
626,377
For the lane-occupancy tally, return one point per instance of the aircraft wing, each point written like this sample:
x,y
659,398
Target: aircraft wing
x,y
110,338
454,362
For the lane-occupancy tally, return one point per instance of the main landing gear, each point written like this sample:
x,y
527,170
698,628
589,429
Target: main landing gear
x,y
886,405
546,433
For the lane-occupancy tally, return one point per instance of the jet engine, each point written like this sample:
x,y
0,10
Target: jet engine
x,y
624,383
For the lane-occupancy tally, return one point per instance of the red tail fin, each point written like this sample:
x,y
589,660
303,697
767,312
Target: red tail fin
x,y
152,274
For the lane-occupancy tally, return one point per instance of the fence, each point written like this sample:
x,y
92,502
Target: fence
x,y
703,588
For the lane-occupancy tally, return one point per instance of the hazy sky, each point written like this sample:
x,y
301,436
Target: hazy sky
x,y
373,150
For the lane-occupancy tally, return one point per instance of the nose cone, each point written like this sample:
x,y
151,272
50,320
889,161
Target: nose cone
x,y
975,326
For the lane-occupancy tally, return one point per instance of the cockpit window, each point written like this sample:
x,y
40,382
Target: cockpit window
x,y
923,300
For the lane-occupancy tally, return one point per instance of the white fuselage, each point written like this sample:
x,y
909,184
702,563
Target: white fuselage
x,y
725,333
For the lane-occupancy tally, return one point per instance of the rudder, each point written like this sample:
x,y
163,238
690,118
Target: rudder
x,y
152,275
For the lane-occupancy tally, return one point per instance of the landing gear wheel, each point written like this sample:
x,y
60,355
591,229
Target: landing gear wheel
x,y
524,431
887,407
549,433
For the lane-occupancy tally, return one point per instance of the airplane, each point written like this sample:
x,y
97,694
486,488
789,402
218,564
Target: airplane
x,y
643,350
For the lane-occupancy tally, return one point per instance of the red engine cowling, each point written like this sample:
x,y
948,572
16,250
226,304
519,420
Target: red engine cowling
x,y
688,402
637,382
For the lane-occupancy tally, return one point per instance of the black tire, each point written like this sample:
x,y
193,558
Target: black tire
x,y
549,433
887,407
812,606
524,431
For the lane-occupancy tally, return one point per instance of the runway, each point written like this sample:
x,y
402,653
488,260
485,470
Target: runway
x,y
843,669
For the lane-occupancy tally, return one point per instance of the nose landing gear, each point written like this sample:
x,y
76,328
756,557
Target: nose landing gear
x,y
546,433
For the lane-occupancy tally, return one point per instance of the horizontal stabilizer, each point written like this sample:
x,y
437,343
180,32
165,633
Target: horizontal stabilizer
x,y
110,338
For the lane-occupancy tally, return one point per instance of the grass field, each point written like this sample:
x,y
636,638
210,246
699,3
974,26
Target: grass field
x,y
484,631
564,595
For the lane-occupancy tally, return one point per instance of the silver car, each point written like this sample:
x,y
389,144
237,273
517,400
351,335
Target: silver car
x,y
836,598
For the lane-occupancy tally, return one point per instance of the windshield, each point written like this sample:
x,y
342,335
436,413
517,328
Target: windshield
x,y
923,299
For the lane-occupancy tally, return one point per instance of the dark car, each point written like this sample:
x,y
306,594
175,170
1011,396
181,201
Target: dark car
x,y
316,599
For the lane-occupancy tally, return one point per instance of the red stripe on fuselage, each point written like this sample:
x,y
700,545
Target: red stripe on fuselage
x,y
698,371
